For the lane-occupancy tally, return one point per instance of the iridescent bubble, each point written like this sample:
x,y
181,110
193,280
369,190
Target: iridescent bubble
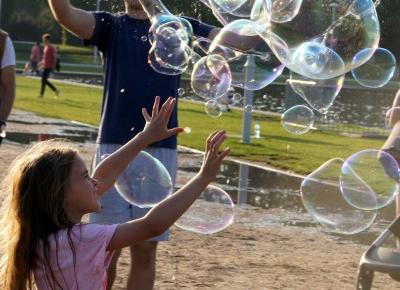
x,y
170,49
144,38
252,63
145,182
323,38
377,71
248,108
181,92
319,94
211,77
162,68
369,179
322,198
315,60
213,109
211,213
284,10
173,22
298,119
236,98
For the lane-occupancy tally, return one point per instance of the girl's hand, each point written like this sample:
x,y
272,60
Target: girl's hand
x,y
212,158
156,125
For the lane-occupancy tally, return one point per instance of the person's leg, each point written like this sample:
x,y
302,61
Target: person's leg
x,y
143,266
52,87
112,269
45,75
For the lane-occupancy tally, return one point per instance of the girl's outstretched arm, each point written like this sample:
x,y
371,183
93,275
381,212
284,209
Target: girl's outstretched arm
x,y
155,130
164,215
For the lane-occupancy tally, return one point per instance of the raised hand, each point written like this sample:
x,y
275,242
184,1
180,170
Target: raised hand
x,y
156,124
212,158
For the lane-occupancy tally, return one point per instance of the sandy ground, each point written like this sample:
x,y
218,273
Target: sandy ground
x,y
241,257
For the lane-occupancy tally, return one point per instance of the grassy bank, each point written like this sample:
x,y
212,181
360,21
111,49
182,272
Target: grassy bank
x,y
277,148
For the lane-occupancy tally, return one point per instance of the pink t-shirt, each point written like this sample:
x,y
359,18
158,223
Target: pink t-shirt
x,y
49,56
35,53
92,258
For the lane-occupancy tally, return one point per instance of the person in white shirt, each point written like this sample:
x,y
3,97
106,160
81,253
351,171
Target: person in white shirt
x,y
7,80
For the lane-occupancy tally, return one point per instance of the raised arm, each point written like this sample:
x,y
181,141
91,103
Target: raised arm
x,y
107,172
165,214
77,21
8,91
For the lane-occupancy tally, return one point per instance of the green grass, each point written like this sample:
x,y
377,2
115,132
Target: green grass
x,y
277,148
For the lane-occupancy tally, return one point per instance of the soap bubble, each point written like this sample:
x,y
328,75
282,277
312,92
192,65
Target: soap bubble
x,y
377,71
145,182
284,10
236,98
187,130
321,196
319,94
181,92
369,179
252,63
212,212
213,109
211,77
323,38
298,119
248,108
144,38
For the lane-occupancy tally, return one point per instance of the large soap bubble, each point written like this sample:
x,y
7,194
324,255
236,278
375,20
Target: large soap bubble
x,y
369,179
252,63
145,182
284,10
377,71
321,195
211,77
298,119
319,94
323,38
212,212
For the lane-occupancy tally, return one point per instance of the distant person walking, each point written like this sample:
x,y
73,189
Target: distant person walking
x,y
35,58
7,80
48,63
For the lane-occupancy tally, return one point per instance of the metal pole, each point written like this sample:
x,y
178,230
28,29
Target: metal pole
x,y
95,50
243,183
248,99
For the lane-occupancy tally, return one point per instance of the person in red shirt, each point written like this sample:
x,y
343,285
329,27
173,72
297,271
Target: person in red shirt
x,y
48,64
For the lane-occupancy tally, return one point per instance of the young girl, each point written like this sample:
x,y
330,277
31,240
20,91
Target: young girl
x,y
49,190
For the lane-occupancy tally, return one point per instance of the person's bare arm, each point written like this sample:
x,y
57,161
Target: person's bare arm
x,y
165,214
8,91
77,21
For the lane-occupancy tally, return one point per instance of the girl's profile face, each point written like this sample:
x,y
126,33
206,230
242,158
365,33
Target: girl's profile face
x,y
81,197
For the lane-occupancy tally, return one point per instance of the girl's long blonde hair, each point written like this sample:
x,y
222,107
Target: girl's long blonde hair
x,y
35,189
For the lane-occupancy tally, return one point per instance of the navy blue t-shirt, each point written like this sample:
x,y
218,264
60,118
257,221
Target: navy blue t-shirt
x,y
130,83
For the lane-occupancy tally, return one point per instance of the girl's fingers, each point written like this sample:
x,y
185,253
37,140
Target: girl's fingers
x,y
164,107
169,108
146,115
174,131
156,106
210,137
223,154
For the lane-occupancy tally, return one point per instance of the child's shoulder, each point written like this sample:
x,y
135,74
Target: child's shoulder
x,y
92,232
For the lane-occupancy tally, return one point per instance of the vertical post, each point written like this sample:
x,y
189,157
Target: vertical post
x,y
248,99
95,50
243,183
